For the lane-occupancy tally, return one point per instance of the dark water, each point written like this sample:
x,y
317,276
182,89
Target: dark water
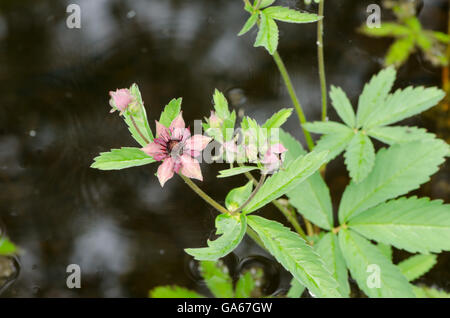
x,y
125,232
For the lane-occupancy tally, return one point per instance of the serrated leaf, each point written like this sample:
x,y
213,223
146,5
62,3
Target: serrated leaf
x,y
221,105
121,158
417,265
173,292
7,247
140,118
170,112
326,127
359,157
286,14
412,224
286,180
366,262
235,171
311,198
386,29
296,290
399,51
296,256
232,230
236,197
278,119
343,107
217,279
399,134
405,103
397,170
374,95
334,143
267,34
328,248
249,24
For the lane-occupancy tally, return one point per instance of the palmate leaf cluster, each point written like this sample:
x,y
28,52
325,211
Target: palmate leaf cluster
x,y
409,36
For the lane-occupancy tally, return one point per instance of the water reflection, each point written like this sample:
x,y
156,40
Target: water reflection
x,y
125,232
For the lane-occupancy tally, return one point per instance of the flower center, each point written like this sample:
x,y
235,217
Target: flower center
x,y
175,148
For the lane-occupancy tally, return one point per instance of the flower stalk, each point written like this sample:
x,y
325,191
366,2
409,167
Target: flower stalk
x,y
321,60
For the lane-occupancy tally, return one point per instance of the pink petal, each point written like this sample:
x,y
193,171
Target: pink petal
x,y
121,98
190,167
155,150
165,171
278,148
162,131
197,143
180,134
178,122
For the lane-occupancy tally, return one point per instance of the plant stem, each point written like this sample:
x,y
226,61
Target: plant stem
x,y
138,130
320,55
287,81
204,196
219,208
291,218
258,186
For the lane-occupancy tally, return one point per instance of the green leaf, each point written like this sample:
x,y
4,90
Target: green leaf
x,y
374,95
286,180
173,292
232,230
397,170
343,107
405,103
170,112
289,15
311,198
334,143
359,157
278,119
328,248
249,24
296,289
386,29
235,171
428,292
386,250
416,225
364,260
7,247
236,197
140,118
267,34
264,3
217,279
247,283
399,134
417,265
296,256
441,37
221,105
399,51
121,158
326,127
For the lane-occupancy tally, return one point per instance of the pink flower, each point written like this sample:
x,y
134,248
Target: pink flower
x,y
177,149
120,99
273,159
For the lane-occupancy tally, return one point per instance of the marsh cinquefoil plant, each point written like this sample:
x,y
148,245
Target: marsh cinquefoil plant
x,y
7,248
371,209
